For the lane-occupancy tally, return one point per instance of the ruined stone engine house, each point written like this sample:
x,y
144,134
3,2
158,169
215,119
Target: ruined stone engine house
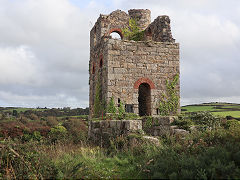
x,y
133,72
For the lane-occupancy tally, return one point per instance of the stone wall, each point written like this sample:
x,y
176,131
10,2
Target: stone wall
x,y
158,125
122,66
142,16
159,30
100,131
144,62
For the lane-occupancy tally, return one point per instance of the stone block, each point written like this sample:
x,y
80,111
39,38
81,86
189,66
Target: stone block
x,y
180,132
119,124
113,124
127,124
95,125
152,140
163,120
104,124
119,70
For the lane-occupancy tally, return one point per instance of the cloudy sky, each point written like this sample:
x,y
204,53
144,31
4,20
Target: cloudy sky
x,y
44,48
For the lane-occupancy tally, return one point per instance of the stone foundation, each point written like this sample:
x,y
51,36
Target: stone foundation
x,y
158,126
102,131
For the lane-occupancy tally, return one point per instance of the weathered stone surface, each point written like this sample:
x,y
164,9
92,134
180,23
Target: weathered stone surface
x,y
160,125
113,128
180,132
118,64
152,139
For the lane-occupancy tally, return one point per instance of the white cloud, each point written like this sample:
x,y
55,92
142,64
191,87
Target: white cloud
x,y
44,51
18,66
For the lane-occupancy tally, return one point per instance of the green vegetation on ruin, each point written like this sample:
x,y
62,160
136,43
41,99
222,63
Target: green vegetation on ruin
x,y
133,32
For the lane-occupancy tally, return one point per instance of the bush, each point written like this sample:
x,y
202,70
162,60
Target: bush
x,y
58,133
77,129
183,122
52,121
33,116
206,119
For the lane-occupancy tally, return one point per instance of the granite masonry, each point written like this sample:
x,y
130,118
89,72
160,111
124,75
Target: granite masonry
x,y
133,72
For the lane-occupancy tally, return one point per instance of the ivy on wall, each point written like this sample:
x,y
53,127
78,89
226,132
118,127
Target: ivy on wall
x,y
133,32
169,101
98,104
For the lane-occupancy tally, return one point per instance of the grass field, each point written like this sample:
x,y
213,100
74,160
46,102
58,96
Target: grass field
x,y
198,108
220,109
235,114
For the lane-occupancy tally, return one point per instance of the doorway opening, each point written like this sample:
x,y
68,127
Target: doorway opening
x,y
144,99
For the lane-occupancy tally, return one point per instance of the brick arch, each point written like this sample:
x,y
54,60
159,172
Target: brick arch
x,y
117,30
144,80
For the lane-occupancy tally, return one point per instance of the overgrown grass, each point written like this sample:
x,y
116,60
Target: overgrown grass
x,y
209,154
65,153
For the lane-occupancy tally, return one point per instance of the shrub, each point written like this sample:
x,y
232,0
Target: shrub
x,y
23,119
111,106
133,32
58,133
183,122
33,116
52,121
205,118
77,129
121,111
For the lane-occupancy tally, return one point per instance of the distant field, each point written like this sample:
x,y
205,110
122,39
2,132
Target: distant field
x,y
198,108
221,109
235,114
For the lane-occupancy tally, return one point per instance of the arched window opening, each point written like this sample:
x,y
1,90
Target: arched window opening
x,y
115,35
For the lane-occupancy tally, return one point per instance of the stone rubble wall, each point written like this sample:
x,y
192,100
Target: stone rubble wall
x,y
130,61
142,17
100,73
158,125
104,130
100,131
159,30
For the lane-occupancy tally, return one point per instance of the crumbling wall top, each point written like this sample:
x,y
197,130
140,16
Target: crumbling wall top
x,y
159,30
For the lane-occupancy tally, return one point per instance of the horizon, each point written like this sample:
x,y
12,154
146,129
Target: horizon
x,y
88,107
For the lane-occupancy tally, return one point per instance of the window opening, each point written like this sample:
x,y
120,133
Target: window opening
x,y
101,63
119,102
129,108
115,35
93,69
